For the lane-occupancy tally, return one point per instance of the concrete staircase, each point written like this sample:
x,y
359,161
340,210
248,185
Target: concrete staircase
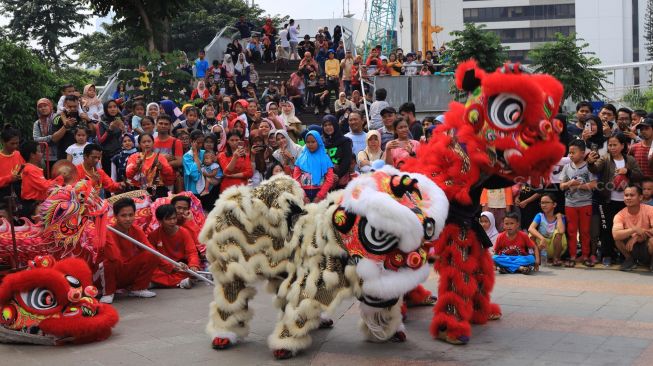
x,y
266,73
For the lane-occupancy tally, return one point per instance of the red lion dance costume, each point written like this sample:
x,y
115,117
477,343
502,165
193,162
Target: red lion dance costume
x,y
504,134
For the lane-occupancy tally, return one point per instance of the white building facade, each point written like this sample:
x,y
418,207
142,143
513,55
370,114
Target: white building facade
x,y
614,29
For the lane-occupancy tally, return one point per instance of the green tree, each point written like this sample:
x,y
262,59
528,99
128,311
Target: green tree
x,y
475,42
45,21
152,18
648,29
166,79
567,60
24,78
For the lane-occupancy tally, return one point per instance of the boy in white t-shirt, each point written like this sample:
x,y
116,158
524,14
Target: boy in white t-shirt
x,y
75,151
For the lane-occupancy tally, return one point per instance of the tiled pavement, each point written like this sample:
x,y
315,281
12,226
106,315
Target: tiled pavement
x,y
556,317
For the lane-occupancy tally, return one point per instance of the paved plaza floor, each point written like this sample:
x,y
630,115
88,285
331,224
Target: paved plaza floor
x,y
559,316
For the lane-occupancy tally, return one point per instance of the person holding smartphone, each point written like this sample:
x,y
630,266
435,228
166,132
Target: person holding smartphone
x,y
235,162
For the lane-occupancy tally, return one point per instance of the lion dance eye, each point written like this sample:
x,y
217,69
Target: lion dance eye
x,y
375,241
506,110
429,228
39,299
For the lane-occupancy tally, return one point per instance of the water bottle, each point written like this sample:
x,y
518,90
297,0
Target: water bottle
x,y
543,258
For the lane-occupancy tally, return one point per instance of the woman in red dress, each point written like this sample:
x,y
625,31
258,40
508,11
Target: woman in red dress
x,y
235,162
149,170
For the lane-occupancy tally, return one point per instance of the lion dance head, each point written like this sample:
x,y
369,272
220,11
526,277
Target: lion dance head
x,y
53,303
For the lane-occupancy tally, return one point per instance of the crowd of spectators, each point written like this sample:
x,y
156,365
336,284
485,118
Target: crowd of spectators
x,y
599,199
238,132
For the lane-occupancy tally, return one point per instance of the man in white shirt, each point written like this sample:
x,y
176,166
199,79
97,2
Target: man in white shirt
x,y
294,41
411,67
285,41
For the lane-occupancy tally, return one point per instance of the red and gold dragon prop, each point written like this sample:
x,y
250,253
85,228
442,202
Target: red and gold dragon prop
x,y
503,134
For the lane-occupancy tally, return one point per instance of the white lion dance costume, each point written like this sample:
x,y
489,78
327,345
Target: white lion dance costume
x,y
367,241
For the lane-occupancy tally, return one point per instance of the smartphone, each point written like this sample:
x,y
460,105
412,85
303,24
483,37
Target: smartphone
x,y
594,147
225,106
264,114
241,145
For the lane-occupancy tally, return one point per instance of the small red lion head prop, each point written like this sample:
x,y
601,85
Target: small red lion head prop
x,y
53,303
512,114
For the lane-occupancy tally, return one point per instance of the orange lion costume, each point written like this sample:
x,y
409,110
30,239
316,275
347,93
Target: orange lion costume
x,y
504,134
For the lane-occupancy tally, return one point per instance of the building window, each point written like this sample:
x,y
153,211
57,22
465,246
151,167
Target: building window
x,y
517,13
539,34
520,56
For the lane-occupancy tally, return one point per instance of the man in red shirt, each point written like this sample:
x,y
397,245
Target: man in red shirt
x,y
514,251
176,243
88,170
34,187
640,150
167,145
185,219
125,264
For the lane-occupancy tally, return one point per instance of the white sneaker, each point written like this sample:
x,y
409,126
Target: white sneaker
x,y
142,293
107,299
185,283
327,111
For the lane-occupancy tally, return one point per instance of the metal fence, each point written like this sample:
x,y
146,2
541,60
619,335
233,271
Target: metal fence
x,y
429,93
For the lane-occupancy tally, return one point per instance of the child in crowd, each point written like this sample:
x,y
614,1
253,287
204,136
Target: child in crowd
x,y
75,151
514,250
578,182
489,225
311,86
647,189
548,229
210,171
177,243
147,125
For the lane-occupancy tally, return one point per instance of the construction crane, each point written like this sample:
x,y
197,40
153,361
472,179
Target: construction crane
x,y
381,26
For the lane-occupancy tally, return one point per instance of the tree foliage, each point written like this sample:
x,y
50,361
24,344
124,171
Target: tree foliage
x,y
18,68
475,42
166,78
568,61
648,29
45,21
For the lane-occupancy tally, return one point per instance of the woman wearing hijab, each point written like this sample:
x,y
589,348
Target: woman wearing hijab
x,y
272,110
242,69
489,225
338,148
153,110
371,153
229,67
234,49
200,92
119,161
287,151
91,104
314,169
109,133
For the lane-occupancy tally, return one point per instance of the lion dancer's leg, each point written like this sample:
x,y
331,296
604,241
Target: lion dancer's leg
x,y
484,310
291,333
229,312
382,324
457,286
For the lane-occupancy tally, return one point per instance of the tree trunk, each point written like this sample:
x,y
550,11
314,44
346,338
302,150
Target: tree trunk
x,y
164,35
151,46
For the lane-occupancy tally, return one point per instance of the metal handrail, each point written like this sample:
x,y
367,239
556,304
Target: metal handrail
x,y
367,113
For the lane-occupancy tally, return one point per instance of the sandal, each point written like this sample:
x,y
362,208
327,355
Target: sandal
x,y
570,263
588,263
557,263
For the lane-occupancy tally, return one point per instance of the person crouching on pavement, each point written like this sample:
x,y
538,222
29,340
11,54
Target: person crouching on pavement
x,y
633,231
127,266
177,243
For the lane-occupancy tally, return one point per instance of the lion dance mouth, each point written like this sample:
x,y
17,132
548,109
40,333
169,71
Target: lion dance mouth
x,y
53,303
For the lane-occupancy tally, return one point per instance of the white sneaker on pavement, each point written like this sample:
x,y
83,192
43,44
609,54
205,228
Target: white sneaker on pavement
x,y
107,299
186,283
142,293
